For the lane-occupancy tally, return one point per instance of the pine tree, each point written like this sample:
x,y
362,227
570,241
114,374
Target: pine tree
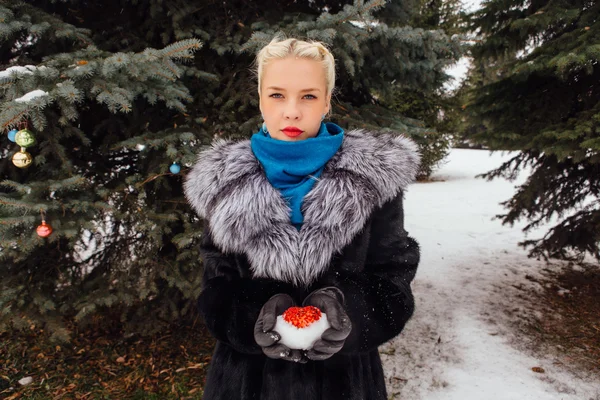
x,y
436,108
116,92
538,94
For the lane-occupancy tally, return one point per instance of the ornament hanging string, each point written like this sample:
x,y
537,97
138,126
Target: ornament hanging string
x,y
44,230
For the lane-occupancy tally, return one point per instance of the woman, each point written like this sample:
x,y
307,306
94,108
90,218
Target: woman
x,y
303,214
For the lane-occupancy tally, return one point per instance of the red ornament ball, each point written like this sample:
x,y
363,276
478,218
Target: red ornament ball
x,y
44,230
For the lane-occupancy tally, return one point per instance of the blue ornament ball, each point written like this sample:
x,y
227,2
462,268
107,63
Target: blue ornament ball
x,y
175,168
12,134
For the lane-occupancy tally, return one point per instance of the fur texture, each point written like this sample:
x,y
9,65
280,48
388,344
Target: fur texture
x,y
373,272
227,182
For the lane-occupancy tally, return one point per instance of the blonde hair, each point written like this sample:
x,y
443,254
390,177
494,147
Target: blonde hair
x,y
278,49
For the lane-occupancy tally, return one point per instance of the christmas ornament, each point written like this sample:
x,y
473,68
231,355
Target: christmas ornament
x,y
44,230
12,134
25,138
175,168
22,159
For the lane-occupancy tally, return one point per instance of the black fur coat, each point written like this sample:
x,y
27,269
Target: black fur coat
x,y
353,238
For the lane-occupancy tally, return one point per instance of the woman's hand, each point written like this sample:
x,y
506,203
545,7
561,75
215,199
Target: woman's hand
x,y
267,338
329,300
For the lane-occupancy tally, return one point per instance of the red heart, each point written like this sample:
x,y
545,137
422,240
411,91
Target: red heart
x,y
301,317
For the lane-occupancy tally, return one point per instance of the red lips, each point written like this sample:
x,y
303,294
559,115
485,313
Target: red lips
x,y
292,131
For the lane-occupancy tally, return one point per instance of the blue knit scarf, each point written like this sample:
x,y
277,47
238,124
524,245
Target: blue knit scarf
x,y
294,167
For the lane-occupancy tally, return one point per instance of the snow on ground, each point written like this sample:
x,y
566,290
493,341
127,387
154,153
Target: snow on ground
x,y
460,344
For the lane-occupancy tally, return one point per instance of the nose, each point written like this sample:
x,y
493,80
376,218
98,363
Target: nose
x,y
292,111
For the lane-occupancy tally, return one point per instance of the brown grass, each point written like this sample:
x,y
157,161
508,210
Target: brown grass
x,y
570,327
100,365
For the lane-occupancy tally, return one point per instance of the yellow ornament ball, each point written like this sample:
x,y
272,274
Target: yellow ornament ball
x,y
22,159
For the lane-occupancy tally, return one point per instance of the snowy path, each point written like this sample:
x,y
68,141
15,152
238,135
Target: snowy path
x,y
458,345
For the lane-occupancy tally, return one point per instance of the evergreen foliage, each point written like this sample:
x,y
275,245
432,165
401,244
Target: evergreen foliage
x,y
537,93
117,92
435,108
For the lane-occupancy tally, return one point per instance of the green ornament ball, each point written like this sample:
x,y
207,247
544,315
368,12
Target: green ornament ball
x,y
25,138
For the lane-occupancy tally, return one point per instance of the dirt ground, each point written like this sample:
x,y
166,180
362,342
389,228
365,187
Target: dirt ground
x,y
567,318
102,365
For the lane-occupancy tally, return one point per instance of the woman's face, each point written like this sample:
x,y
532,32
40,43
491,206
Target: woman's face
x,y
293,98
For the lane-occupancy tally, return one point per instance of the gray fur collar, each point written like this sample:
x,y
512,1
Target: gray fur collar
x,y
247,215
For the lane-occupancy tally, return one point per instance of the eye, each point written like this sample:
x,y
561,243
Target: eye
x,y
311,96
276,95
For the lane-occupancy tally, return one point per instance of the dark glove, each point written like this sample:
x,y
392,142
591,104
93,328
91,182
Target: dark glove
x,y
267,338
329,300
